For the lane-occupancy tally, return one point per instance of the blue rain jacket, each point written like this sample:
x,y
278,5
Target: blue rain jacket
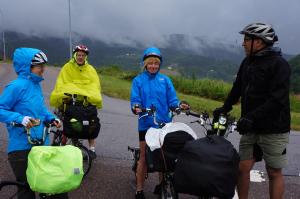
x,y
157,90
23,97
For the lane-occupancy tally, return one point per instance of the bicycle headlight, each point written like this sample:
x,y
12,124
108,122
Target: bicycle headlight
x,y
222,120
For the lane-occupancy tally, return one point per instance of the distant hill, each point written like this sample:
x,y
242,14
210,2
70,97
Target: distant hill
x,y
193,57
295,79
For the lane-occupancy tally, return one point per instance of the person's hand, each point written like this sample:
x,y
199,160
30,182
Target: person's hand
x,y
218,111
136,109
183,105
244,125
56,122
29,122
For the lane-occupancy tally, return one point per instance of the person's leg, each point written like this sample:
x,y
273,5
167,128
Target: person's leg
x,y
274,150
245,167
247,160
92,148
18,163
141,168
276,183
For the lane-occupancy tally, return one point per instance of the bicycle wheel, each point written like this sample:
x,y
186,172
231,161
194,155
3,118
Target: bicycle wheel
x,y
56,141
9,189
87,160
168,191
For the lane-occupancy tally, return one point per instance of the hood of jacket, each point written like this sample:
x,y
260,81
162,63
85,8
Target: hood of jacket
x,y
22,62
268,51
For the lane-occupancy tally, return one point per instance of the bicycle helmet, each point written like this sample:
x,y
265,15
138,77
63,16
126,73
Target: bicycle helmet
x,y
39,58
262,31
152,52
82,48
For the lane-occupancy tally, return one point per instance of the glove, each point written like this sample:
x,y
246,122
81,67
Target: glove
x,y
244,125
136,109
218,111
26,120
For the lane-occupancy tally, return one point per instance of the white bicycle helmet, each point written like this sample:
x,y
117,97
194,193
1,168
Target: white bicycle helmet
x,y
262,31
39,58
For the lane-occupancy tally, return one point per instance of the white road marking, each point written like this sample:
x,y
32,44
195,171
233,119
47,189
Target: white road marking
x,y
257,176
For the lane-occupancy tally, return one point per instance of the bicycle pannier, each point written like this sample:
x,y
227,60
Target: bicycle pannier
x,y
81,121
54,170
207,167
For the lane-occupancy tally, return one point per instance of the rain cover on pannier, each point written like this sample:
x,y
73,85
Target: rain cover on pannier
x,y
171,139
54,169
207,167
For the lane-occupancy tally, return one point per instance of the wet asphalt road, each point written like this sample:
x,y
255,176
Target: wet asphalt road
x,y
111,176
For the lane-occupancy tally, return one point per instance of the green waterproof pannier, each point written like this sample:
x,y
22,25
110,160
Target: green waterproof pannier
x,y
54,170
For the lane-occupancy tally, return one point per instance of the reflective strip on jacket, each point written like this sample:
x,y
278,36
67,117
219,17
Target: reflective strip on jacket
x,y
75,79
157,90
23,97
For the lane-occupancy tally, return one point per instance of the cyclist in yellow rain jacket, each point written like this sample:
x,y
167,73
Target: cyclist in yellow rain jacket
x,y
78,77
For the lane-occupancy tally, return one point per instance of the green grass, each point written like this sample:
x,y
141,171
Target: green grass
x,y
115,87
117,83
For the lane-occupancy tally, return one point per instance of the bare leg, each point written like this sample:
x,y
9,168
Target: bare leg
x,y
276,183
245,167
92,143
141,168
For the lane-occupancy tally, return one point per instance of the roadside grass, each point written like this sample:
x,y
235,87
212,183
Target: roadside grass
x,y
116,86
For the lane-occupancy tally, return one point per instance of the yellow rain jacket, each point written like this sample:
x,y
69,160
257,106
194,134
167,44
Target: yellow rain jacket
x,y
80,80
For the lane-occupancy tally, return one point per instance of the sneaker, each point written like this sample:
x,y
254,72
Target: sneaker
x,y
139,195
92,154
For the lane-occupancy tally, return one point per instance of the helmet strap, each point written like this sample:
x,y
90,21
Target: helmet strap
x,y
251,49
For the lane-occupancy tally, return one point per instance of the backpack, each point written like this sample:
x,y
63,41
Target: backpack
x,y
81,121
207,167
54,169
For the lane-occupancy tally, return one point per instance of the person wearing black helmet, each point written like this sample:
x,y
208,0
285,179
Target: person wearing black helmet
x,y
151,88
262,83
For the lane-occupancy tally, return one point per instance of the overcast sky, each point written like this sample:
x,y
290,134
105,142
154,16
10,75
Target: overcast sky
x,y
148,21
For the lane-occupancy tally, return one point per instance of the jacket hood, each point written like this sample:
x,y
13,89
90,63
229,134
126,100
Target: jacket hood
x,y
268,51
22,61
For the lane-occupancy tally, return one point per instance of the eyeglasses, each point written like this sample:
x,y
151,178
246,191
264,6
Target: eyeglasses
x,y
247,39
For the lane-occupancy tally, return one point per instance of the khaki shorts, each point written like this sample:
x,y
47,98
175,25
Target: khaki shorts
x,y
270,147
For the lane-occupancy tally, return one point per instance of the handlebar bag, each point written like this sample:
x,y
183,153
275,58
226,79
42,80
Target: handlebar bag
x,y
207,167
54,170
81,121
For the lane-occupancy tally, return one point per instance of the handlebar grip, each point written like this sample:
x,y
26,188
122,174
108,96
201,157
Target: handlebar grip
x,y
15,124
193,114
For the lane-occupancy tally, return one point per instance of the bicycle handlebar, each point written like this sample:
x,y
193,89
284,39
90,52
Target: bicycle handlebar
x,y
39,141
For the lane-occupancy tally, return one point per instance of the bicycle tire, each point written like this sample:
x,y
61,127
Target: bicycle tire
x,y
87,160
9,189
168,191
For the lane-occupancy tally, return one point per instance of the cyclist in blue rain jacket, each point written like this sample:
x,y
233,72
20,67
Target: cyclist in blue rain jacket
x,y
22,101
151,88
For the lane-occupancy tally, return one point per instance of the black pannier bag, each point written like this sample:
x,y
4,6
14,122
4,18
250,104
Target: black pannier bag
x,y
81,121
173,144
207,167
